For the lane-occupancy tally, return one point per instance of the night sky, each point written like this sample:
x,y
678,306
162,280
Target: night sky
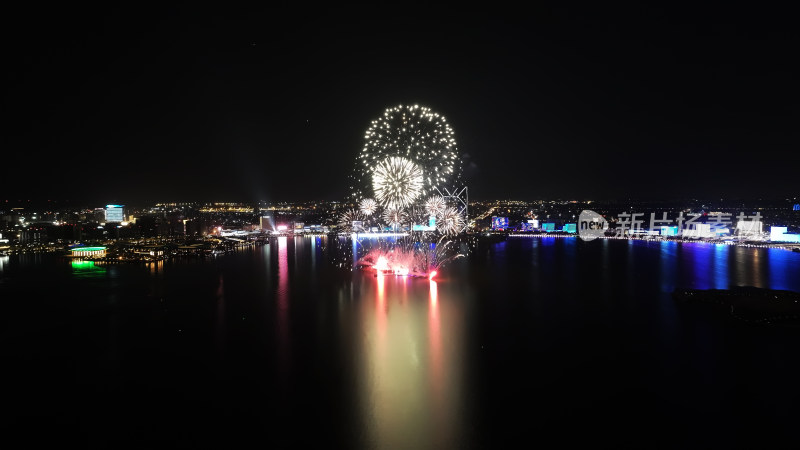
x,y
136,105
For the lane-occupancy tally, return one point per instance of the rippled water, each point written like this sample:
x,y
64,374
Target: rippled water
x,y
524,342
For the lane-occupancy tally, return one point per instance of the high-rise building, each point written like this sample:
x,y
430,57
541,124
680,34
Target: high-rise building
x,y
115,213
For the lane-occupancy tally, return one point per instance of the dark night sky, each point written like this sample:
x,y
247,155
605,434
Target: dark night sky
x,y
136,105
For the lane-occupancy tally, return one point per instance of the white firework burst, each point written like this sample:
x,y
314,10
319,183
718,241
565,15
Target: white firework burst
x,y
415,133
368,206
347,218
397,182
394,216
435,205
450,221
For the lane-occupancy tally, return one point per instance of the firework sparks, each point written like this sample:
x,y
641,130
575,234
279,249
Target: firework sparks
x,y
368,206
411,257
394,217
349,218
397,182
449,221
410,155
417,134
435,205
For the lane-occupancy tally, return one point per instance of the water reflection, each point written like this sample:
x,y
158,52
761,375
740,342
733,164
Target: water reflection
x,y
156,267
283,302
409,397
87,269
440,419
703,270
668,265
720,266
397,360
757,270
782,271
314,254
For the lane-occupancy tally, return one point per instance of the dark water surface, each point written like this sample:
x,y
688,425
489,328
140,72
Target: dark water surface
x,y
528,342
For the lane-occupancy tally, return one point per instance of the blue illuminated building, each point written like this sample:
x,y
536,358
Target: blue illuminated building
x,y
114,213
779,234
669,231
499,223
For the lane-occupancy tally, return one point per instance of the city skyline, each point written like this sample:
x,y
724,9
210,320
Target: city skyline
x,y
272,106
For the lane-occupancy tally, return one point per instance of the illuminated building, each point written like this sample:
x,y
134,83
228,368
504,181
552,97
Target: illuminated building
x,y
570,228
83,252
420,227
779,234
499,223
722,231
548,227
669,231
431,226
749,226
699,230
114,213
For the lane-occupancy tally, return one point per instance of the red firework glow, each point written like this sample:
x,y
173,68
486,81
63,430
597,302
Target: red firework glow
x,y
415,262
395,262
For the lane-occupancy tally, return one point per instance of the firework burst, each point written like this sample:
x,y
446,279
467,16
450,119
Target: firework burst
x,y
347,218
417,134
394,217
449,221
408,159
397,182
435,205
368,206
